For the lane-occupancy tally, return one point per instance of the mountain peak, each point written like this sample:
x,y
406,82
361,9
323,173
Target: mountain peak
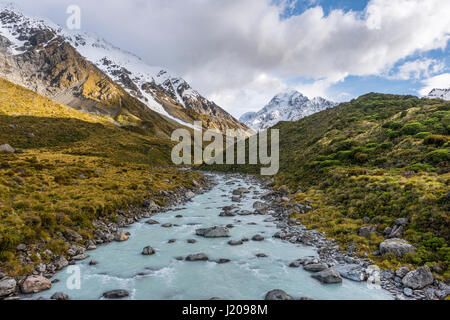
x,y
436,93
289,105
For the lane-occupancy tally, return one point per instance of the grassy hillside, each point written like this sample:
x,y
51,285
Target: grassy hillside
x,y
74,168
381,157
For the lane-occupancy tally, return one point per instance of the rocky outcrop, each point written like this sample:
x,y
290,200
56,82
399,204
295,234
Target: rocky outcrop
x,y
397,247
419,278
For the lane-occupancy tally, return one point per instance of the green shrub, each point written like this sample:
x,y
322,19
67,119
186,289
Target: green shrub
x,y
422,135
436,140
412,128
439,155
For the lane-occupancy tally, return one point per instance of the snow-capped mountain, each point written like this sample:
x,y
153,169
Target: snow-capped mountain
x,y
443,94
285,106
32,42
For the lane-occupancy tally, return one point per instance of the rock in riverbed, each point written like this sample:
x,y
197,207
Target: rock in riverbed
x,y
315,267
258,237
214,232
277,295
351,271
235,242
35,284
60,296
147,251
116,294
328,276
197,257
151,221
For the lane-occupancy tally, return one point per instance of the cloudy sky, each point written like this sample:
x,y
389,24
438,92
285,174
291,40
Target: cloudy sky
x,y
240,53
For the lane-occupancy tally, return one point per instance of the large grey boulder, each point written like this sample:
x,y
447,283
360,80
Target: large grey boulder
x,y
419,278
214,232
277,295
397,247
7,286
6,148
328,276
351,271
35,284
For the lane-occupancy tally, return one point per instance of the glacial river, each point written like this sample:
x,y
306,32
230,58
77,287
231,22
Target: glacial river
x,y
161,276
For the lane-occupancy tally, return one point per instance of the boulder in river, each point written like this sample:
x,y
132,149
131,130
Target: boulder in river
x,y
151,221
214,232
261,255
419,278
257,237
235,199
328,276
397,247
35,284
116,294
277,294
227,214
197,257
121,236
167,225
191,241
148,250
235,242
315,267
222,261
60,296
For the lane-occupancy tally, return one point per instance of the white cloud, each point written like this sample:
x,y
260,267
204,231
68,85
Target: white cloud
x,y
441,81
418,69
224,47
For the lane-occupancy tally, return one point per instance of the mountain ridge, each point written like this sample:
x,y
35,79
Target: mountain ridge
x,y
34,42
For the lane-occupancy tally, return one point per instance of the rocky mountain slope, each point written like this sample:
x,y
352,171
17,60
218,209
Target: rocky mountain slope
x,y
85,72
443,94
285,106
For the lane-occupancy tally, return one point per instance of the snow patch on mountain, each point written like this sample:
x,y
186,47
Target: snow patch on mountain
x,y
443,94
286,106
